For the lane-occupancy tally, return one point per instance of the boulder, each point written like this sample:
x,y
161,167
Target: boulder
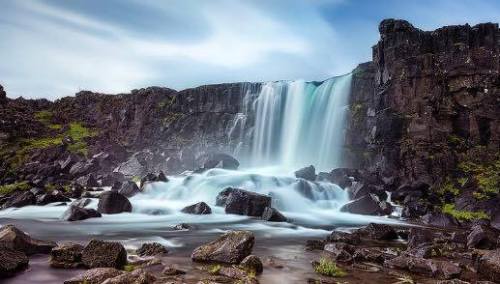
x,y
129,189
372,255
242,202
343,176
379,232
252,263
307,173
81,202
348,238
489,264
11,262
428,267
110,179
138,276
315,245
368,205
13,238
182,226
104,254
220,160
482,237
153,178
111,202
340,252
75,213
200,208
439,219
87,181
68,255
230,248
94,276
151,249
54,196
20,199
172,271
418,237
273,215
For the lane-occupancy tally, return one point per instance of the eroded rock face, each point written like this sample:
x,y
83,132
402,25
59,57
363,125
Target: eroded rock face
x,y
111,202
13,238
11,262
482,237
230,248
104,254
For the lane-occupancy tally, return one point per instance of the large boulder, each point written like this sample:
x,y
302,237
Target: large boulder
x,y
94,276
273,215
151,249
129,189
489,264
13,238
11,262
220,160
150,177
54,196
75,213
428,267
439,219
368,205
230,248
200,208
68,255
482,237
104,254
20,199
307,173
252,263
242,202
111,202
379,232
138,276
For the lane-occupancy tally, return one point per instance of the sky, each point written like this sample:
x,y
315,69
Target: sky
x,y
55,48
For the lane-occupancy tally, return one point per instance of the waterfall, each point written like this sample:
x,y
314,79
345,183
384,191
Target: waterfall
x,y
300,123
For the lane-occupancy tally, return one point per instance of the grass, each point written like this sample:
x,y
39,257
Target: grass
x,y
9,188
487,175
129,267
463,215
327,267
449,187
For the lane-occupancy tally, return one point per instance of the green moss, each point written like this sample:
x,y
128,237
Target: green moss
x,y
129,267
214,269
487,175
448,187
455,140
55,126
328,267
9,188
43,116
463,215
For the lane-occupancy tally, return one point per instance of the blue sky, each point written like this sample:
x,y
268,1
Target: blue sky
x,y
54,48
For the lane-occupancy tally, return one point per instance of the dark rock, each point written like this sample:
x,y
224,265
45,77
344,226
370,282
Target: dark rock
x,y
348,238
379,232
182,226
54,196
110,179
172,271
343,176
20,199
427,267
233,272
242,202
151,249
315,245
489,264
340,252
418,237
495,220
439,219
129,189
252,263
372,255
415,208
13,238
75,213
368,205
220,160
94,276
273,215
307,173
231,248
104,254
358,190
153,178
87,181
11,262
82,168
138,276
482,237
111,202
81,202
68,255
199,208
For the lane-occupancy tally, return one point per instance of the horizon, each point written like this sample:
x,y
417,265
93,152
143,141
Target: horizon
x,y
50,48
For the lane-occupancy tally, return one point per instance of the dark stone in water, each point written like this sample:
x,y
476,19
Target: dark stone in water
x,y
20,199
13,238
199,208
368,205
104,254
111,202
379,232
75,213
307,173
273,215
68,255
129,189
242,202
11,262
151,249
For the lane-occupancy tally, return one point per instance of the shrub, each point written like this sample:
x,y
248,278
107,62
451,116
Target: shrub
x,y
328,267
463,215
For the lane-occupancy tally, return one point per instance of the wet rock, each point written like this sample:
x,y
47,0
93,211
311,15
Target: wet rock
x,y
348,238
151,249
252,263
482,237
54,196
153,178
315,244
343,176
199,208
138,276
132,167
20,199
489,264
13,238
454,281
75,213
11,262
220,160
129,189
111,202
341,252
439,219
358,190
307,173
68,255
242,202
418,237
104,254
231,248
87,181
110,179
94,276
81,202
379,232
415,208
172,271
273,215
416,189
427,267
182,226
372,255
368,205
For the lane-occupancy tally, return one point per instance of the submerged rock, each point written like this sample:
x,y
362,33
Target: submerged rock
x,y
68,255
94,276
242,202
230,248
75,213
13,238
151,249
111,202
104,254
273,215
307,173
199,208
368,205
11,262
252,263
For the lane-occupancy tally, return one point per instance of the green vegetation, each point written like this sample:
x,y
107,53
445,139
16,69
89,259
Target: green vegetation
x,y
129,267
455,140
448,187
328,267
9,188
43,116
358,112
487,176
463,215
214,269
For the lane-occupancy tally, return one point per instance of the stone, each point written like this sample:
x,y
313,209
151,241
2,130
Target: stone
x,y
439,219
13,238
138,276
482,237
200,208
230,248
150,177
172,271
182,226
371,255
418,237
54,196
111,202
489,263
273,215
242,202
427,267
129,189
221,160
307,173
151,249
340,252
81,202
75,213
87,181
67,255
12,262
104,254
252,263
348,238
379,232
94,276
315,245
20,199
368,205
